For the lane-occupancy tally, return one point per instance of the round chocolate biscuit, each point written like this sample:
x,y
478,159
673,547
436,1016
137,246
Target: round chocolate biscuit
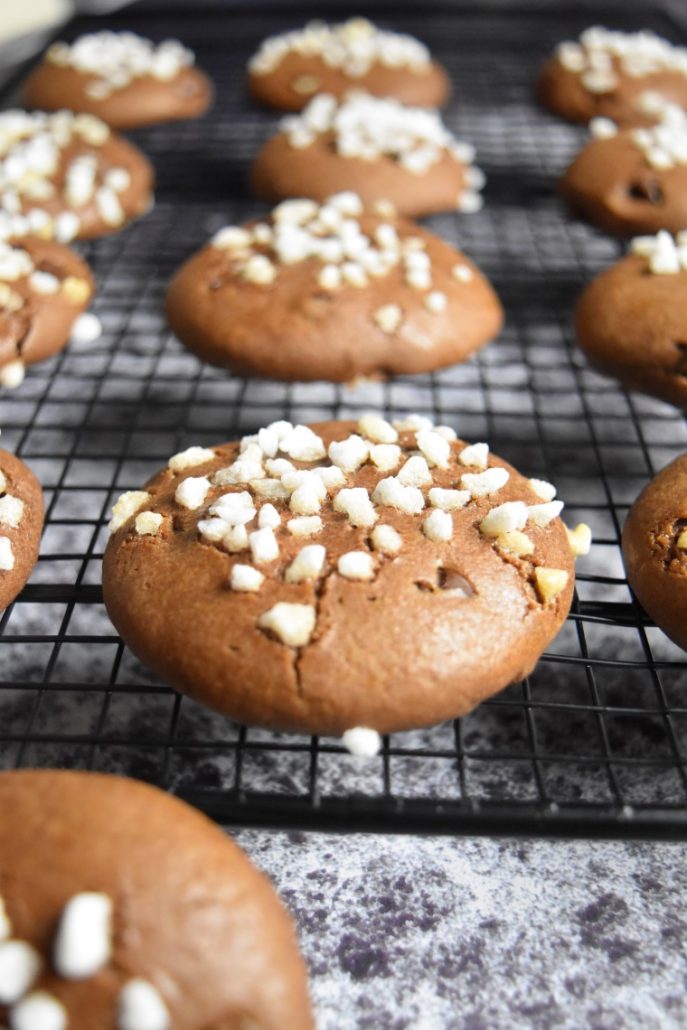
x,y
70,175
323,578
331,292
146,916
289,69
379,148
634,180
607,74
631,321
125,80
21,524
44,287
655,549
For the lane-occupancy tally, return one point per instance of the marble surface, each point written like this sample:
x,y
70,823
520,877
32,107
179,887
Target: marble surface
x,y
473,934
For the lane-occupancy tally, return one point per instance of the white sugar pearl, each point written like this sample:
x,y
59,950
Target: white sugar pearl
x,y
362,742
84,936
141,1007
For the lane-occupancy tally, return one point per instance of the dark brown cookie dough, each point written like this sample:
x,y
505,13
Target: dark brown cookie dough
x,y
630,183
289,69
21,523
146,916
44,287
395,588
606,73
375,147
125,80
70,175
631,321
655,549
298,306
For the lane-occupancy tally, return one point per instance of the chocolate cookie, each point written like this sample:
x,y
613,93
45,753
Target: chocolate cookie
x,y
631,321
21,523
70,175
324,578
655,549
122,78
44,287
146,916
606,73
290,68
331,292
632,181
379,148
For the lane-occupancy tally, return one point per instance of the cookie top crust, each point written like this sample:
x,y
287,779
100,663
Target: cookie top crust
x,y
600,53
307,528
69,175
135,922
21,522
115,59
354,46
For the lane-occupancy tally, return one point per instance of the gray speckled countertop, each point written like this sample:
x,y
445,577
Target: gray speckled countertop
x,y
480,933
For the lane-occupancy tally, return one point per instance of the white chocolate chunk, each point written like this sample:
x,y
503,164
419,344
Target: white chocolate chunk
x,y
377,429
547,491
550,583
435,448
192,491
306,525
386,539
438,525
292,481
305,500
6,554
331,475
268,442
448,500
246,579
385,456
38,1011
349,454
307,564
580,539
268,516
126,506
141,1007
462,273
237,509
356,565
388,318
274,489
3,482
504,518
44,282
20,964
415,472
476,455
481,484
263,545
390,493
447,432
231,237
278,466
148,523
83,943
259,269
413,421
515,542
243,470
213,530
11,511
5,922
235,539
356,504
542,514
436,302
302,444
293,624
12,374
362,742
190,457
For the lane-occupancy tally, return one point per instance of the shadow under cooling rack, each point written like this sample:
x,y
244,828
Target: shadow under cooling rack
x,y
594,742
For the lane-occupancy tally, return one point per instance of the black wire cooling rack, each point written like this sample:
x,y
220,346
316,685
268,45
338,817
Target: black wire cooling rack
x,y
593,743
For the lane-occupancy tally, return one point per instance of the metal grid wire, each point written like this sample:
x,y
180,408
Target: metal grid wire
x,y
594,742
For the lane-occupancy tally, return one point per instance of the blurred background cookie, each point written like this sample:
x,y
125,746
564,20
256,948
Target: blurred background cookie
x,y
655,549
605,73
331,291
44,288
21,523
146,917
631,321
630,181
126,80
381,149
70,175
290,68
343,575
